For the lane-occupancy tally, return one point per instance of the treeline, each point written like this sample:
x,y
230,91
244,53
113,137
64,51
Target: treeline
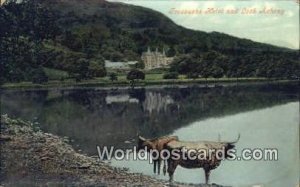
x,y
21,42
30,41
121,32
217,65
76,37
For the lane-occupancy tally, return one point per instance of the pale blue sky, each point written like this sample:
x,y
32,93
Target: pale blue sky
x,y
278,29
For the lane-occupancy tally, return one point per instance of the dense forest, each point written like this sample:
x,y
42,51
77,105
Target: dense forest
x,y
76,37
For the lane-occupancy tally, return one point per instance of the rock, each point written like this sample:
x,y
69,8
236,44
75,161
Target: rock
x,y
5,138
45,158
48,158
84,167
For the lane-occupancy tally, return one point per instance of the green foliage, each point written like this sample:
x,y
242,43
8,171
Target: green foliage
x,y
171,75
135,75
171,52
125,33
63,35
29,28
80,70
217,72
96,70
39,76
21,55
140,65
158,71
217,65
192,75
54,74
113,77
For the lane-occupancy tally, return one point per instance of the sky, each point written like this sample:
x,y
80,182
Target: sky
x,y
269,21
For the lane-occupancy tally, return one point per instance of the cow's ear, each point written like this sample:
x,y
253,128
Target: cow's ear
x,y
142,138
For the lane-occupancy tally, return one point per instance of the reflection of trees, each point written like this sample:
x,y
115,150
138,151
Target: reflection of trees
x,y
85,116
219,101
90,99
138,94
27,104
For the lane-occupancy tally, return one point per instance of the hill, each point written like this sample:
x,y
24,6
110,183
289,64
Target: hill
x,y
77,35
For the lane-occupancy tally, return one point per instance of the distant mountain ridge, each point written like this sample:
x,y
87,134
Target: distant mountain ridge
x,y
141,17
84,33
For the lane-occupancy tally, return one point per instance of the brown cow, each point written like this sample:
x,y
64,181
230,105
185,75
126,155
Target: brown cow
x,y
172,143
156,144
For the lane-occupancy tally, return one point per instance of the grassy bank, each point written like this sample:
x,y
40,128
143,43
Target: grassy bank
x,y
150,79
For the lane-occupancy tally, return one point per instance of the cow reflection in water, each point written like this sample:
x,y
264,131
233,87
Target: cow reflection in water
x,y
182,148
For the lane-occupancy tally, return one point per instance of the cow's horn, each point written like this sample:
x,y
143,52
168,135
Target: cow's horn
x,y
142,138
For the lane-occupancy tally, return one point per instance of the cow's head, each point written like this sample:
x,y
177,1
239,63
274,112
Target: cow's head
x,y
144,143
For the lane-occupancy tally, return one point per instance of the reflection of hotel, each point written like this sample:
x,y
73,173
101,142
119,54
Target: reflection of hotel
x,y
155,102
155,59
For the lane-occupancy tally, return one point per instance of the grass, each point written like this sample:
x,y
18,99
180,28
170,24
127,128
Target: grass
x,y
151,79
122,77
54,74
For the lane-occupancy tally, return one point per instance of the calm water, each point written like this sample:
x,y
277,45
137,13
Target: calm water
x,y
266,116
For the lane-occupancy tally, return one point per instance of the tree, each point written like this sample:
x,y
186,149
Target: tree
x,y
96,69
80,69
192,75
39,76
205,70
24,25
184,64
205,74
135,75
113,77
171,75
217,72
140,65
171,52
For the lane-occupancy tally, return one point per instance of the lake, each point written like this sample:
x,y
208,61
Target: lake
x,y
265,115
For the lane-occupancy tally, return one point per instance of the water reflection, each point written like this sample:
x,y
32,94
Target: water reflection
x,y
94,116
273,127
266,115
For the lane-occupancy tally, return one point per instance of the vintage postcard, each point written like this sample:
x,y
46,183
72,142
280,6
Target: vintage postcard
x,y
149,93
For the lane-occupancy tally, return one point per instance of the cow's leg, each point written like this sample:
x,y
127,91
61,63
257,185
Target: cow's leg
x,y
165,167
207,173
172,164
158,166
154,166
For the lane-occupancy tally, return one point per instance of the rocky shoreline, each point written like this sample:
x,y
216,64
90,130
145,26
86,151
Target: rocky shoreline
x,y
30,157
